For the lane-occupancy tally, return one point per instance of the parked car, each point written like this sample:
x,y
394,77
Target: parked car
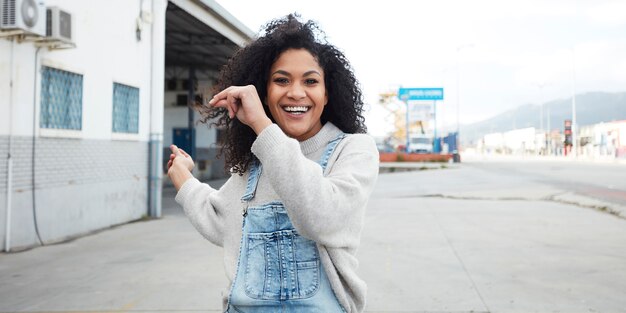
x,y
420,143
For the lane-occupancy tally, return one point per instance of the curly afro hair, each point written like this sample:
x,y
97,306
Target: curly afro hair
x,y
251,66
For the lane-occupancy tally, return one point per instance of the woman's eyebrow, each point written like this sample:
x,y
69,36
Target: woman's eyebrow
x,y
307,73
281,72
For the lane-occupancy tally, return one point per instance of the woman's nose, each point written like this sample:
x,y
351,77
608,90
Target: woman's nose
x,y
296,92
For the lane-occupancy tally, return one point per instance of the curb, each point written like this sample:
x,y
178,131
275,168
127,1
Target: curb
x,y
584,201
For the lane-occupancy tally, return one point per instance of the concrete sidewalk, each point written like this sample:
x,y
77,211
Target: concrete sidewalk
x,y
421,251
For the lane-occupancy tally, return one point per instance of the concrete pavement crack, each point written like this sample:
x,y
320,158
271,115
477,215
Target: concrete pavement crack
x,y
600,208
458,257
605,208
473,198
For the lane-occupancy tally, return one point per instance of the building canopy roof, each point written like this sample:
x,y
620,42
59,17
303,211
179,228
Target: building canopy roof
x,y
201,34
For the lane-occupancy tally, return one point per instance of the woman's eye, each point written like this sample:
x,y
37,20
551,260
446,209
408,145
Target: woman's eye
x,y
311,81
281,80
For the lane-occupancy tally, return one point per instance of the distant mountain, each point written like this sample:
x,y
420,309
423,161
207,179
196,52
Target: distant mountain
x,y
591,108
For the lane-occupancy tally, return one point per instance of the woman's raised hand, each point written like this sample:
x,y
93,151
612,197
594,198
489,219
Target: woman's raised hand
x,y
179,166
184,159
243,102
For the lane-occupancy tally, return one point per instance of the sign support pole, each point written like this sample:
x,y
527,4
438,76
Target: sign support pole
x,y
406,148
435,140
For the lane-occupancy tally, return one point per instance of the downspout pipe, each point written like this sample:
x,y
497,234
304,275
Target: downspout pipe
x,y
34,149
157,76
7,236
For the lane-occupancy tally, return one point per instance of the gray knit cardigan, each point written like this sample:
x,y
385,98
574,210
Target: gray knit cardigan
x,y
325,207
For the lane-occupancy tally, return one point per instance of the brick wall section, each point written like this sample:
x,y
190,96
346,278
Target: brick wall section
x,y
4,148
61,162
22,160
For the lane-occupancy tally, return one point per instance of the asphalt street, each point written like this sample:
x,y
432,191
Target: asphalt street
x,y
600,180
481,236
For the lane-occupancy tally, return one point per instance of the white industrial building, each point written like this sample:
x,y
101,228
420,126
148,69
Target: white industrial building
x,y
603,140
597,141
518,141
90,102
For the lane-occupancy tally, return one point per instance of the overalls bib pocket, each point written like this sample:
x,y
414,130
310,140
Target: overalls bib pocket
x,y
280,264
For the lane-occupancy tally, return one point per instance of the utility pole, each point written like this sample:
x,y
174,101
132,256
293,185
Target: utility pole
x,y
574,125
458,94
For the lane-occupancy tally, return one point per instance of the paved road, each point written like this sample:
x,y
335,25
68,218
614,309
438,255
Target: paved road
x,y
484,238
603,181
469,238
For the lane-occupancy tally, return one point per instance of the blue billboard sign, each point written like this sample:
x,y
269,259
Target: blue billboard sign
x,y
408,94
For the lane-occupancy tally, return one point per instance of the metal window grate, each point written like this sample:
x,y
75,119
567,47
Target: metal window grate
x,y
61,99
125,109
8,13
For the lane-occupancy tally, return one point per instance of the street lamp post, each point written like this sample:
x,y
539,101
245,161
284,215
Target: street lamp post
x,y
574,126
541,104
458,94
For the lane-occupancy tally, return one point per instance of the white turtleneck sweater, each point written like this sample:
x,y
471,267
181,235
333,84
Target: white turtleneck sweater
x,y
328,209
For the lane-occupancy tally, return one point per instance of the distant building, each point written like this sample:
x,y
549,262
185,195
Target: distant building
x,y
89,107
518,141
596,141
603,140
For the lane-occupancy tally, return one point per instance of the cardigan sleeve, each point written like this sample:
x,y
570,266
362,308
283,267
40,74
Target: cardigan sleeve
x,y
327,209
201,204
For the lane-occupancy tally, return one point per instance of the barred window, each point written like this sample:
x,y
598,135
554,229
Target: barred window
x,y
61,99
125,109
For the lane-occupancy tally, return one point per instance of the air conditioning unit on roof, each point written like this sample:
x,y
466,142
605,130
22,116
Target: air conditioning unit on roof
x,y
26,15
60,25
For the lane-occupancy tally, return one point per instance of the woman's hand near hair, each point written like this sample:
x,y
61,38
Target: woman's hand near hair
x,y
179,167
243,102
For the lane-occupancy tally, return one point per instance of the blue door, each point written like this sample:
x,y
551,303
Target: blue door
x,y
182,138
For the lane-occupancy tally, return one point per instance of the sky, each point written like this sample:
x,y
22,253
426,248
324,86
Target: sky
x,y
489,56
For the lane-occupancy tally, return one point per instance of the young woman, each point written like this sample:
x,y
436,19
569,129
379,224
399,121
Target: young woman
x,y
290,217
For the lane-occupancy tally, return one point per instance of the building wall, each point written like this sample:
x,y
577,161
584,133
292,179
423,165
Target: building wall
x,y
603,139
84,180
88,179
520,140
81,186
19,118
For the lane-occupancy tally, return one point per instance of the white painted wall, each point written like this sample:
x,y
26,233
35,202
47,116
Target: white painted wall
x,y
106,51
493,140
517,139
23,73
5,52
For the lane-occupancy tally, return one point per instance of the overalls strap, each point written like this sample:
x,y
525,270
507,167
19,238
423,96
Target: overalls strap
x,y
330,148
253,180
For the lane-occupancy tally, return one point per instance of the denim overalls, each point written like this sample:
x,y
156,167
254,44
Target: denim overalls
x,y
278,270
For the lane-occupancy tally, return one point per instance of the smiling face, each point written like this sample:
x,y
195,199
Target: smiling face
x,y
296,94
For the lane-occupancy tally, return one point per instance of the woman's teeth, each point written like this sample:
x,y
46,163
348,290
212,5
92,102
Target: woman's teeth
x,y
296,110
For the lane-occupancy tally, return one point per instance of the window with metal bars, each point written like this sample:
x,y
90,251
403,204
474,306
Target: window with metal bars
x,y
61,99
125,109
